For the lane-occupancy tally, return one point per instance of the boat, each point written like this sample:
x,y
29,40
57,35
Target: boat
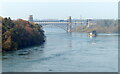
x,y
92,34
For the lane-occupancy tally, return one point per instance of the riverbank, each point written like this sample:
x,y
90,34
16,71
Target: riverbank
x,y
98,28
108,26
17,34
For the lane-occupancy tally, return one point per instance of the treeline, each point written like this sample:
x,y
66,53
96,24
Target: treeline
x,y
106,22
17,34
101,26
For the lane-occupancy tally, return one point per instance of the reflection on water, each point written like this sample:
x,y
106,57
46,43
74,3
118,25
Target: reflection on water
x,y
70,40
65,52
93,40
23,53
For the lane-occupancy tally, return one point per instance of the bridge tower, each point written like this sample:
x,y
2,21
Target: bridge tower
x,y
69,25
30,18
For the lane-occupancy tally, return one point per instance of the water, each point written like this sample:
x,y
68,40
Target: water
x,y
66,52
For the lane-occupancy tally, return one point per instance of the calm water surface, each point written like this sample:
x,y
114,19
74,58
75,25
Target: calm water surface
x,y
65,52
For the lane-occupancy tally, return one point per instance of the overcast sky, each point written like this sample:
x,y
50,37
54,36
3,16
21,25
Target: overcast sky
x,y
59,10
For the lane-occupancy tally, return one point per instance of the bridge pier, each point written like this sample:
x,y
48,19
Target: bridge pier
x,y
69,25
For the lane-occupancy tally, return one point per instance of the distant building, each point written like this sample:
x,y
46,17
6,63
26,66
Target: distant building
x,y
30,18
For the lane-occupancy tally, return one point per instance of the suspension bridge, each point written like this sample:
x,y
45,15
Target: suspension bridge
x,y
67,25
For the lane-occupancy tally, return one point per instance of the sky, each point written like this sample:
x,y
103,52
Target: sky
x,y
59,10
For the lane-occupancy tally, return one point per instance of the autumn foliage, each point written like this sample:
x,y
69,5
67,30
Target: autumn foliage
x,y
19,33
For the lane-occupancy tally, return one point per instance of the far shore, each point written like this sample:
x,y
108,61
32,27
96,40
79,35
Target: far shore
x,y
100,29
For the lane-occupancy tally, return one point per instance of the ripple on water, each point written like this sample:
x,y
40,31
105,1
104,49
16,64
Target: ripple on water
x,y
66,52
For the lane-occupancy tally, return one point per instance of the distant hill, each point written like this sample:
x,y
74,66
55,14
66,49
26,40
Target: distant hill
x,y
101,26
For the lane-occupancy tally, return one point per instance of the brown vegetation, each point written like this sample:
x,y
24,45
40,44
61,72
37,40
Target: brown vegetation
x,y
20,33
101,26
98,29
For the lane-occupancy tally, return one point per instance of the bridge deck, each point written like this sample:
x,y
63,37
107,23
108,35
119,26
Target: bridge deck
x,y
57,22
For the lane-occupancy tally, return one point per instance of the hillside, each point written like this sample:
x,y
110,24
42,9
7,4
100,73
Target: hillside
x,y
17,34
101,26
